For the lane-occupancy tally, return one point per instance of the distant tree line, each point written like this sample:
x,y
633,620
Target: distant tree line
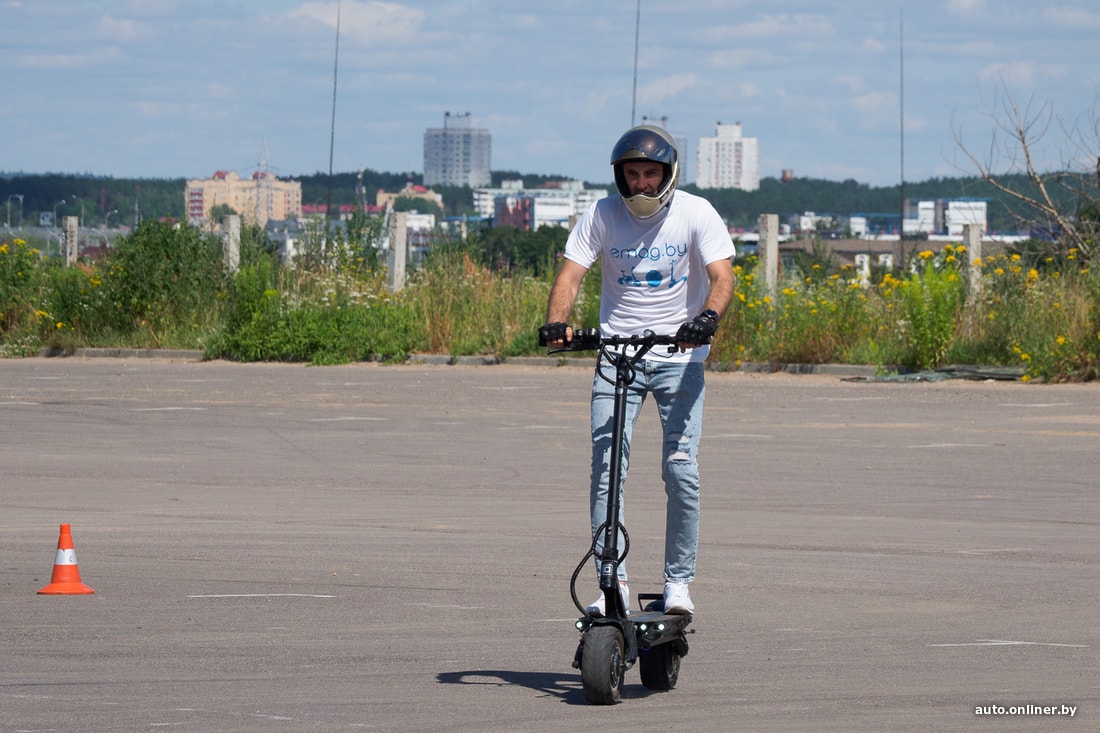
x,y
844,198
114,201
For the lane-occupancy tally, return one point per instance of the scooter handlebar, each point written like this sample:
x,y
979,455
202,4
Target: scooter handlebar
x,y
587,339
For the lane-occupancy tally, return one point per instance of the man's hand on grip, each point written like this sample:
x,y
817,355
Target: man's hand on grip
x,y
553,332
697,331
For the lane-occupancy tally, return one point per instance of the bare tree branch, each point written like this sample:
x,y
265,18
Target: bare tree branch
x,y
1014,147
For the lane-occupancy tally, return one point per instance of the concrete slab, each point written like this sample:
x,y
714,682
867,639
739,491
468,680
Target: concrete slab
x,y
389,548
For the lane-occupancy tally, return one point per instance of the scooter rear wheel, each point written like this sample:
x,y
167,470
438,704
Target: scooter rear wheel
x,y
659,667
602,665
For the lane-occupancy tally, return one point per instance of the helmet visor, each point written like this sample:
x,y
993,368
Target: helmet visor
x,y
643,144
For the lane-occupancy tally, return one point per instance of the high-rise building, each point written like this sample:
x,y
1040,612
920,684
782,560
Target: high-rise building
x,y
728,160
457,154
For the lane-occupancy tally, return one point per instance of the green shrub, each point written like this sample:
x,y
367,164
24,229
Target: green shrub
x,y
165,282
22,285
275,314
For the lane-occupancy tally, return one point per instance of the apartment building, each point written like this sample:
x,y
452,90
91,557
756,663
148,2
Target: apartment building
x,y
728,160
457,154
257,199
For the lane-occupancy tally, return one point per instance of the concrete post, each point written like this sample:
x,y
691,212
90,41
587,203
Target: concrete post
x,y
972,240
769,252
231,237
71,229
398,251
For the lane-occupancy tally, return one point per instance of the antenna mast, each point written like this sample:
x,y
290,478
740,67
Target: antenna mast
x,y
263,185
637,32
332,132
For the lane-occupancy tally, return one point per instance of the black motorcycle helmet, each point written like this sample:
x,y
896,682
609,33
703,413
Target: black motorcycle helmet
x,y
646,142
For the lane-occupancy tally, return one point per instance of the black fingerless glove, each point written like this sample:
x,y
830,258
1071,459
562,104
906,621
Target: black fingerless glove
x,y
552,332
698,330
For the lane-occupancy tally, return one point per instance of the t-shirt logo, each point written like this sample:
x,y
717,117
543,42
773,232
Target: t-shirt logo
x,y
664,261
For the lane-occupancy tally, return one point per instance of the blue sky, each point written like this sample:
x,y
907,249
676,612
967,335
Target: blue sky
x,y
181,88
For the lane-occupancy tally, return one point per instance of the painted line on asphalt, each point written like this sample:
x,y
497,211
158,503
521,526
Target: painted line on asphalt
x,y
991,551
347,419
169,409
1000,642
262,595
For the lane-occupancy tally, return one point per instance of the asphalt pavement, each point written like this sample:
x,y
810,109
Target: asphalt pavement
x,y
368,547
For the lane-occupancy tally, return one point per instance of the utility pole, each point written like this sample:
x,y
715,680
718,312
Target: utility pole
x,y
901,117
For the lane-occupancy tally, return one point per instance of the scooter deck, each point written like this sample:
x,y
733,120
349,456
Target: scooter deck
x,y
652,619
678,620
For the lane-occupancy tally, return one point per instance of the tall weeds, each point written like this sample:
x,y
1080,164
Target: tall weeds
x,y
165,286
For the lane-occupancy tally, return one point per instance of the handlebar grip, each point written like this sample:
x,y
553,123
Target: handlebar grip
x,y
586,338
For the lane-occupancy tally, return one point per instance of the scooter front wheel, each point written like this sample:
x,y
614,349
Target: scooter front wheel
x,y
602,665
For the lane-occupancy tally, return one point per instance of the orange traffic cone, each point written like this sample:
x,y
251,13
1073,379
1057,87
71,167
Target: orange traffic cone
x,y
66,574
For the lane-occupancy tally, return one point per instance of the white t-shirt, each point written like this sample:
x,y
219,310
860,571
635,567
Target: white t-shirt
x,y
654,270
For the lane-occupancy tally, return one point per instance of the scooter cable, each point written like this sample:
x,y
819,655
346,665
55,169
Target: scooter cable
x,y
592,553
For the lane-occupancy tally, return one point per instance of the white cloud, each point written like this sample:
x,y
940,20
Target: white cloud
x,y
853,82
732,59
1072,17
217,90
874,45
1016,73
98,57
190,111
366,21
665,87
748,89
787,26
121,30
154,7
965,7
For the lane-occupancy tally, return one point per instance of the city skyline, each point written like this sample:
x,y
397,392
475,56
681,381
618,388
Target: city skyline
x,y
173,89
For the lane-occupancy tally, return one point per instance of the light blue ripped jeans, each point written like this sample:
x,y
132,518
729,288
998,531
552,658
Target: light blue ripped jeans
x,y
678,390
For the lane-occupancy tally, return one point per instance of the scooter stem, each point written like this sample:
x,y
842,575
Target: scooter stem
x,y
609,559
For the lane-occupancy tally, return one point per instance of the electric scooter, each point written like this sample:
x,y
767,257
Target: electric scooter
x,y
612,643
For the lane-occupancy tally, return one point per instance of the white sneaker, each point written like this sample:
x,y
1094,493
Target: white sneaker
x,y
599,607
677,599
